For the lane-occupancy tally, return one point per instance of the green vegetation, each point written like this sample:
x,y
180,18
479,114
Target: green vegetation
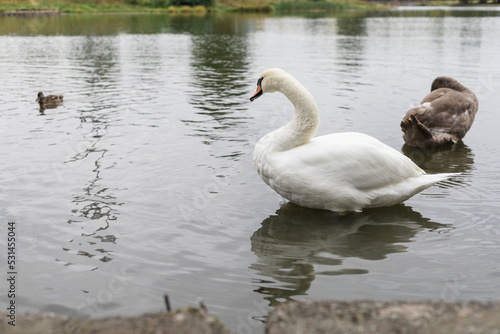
x,y
291,6
203,6
180,6
459,2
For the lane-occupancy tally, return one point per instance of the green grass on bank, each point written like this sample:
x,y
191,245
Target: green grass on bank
x,y
74,6
290,6
176,7
203,6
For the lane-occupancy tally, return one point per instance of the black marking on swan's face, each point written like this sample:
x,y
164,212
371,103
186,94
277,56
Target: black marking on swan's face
x,y
259,90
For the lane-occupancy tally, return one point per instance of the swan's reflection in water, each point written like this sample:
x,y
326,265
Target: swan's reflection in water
x,y
295,241
449,159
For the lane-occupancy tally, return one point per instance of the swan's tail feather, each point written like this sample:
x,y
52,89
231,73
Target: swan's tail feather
x,y
427,180
412,127
435,178
400,192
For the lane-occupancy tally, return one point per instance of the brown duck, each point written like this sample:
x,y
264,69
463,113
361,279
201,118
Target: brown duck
x,y
443,117
49,99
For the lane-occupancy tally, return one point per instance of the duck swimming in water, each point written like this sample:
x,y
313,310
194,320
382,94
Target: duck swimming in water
x,y
339,172
49,99
443,117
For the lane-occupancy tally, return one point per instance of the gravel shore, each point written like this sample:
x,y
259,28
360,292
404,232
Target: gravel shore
x,y
307,317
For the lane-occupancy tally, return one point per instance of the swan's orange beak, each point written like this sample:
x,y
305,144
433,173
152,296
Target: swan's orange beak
x,y
259,91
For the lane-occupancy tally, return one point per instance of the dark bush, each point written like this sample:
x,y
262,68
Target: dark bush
x,y
206,3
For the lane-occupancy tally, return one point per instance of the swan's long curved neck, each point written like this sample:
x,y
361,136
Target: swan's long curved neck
x,y
304,125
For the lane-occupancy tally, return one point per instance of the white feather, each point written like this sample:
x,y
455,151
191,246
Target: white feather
x,y
338,172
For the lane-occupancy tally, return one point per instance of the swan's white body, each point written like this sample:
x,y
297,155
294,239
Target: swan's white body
x,y
338,172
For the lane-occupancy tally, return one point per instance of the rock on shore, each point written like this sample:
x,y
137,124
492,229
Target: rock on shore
x,y
370,317
183,321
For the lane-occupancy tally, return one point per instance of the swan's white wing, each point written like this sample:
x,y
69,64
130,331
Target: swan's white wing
x,y
354,158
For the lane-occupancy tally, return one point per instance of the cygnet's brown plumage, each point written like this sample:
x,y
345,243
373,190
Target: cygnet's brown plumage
x,y
443,117
49,99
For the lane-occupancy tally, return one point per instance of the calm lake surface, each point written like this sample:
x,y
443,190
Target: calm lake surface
x,y
142,183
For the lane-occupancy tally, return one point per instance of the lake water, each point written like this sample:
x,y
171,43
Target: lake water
x,y
142,183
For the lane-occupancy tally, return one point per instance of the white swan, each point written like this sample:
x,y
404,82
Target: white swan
x,y
338,172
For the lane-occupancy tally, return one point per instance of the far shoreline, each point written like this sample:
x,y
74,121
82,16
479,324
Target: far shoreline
x,y
117,9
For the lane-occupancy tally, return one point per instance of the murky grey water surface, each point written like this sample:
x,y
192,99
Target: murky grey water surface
x,y
142,184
